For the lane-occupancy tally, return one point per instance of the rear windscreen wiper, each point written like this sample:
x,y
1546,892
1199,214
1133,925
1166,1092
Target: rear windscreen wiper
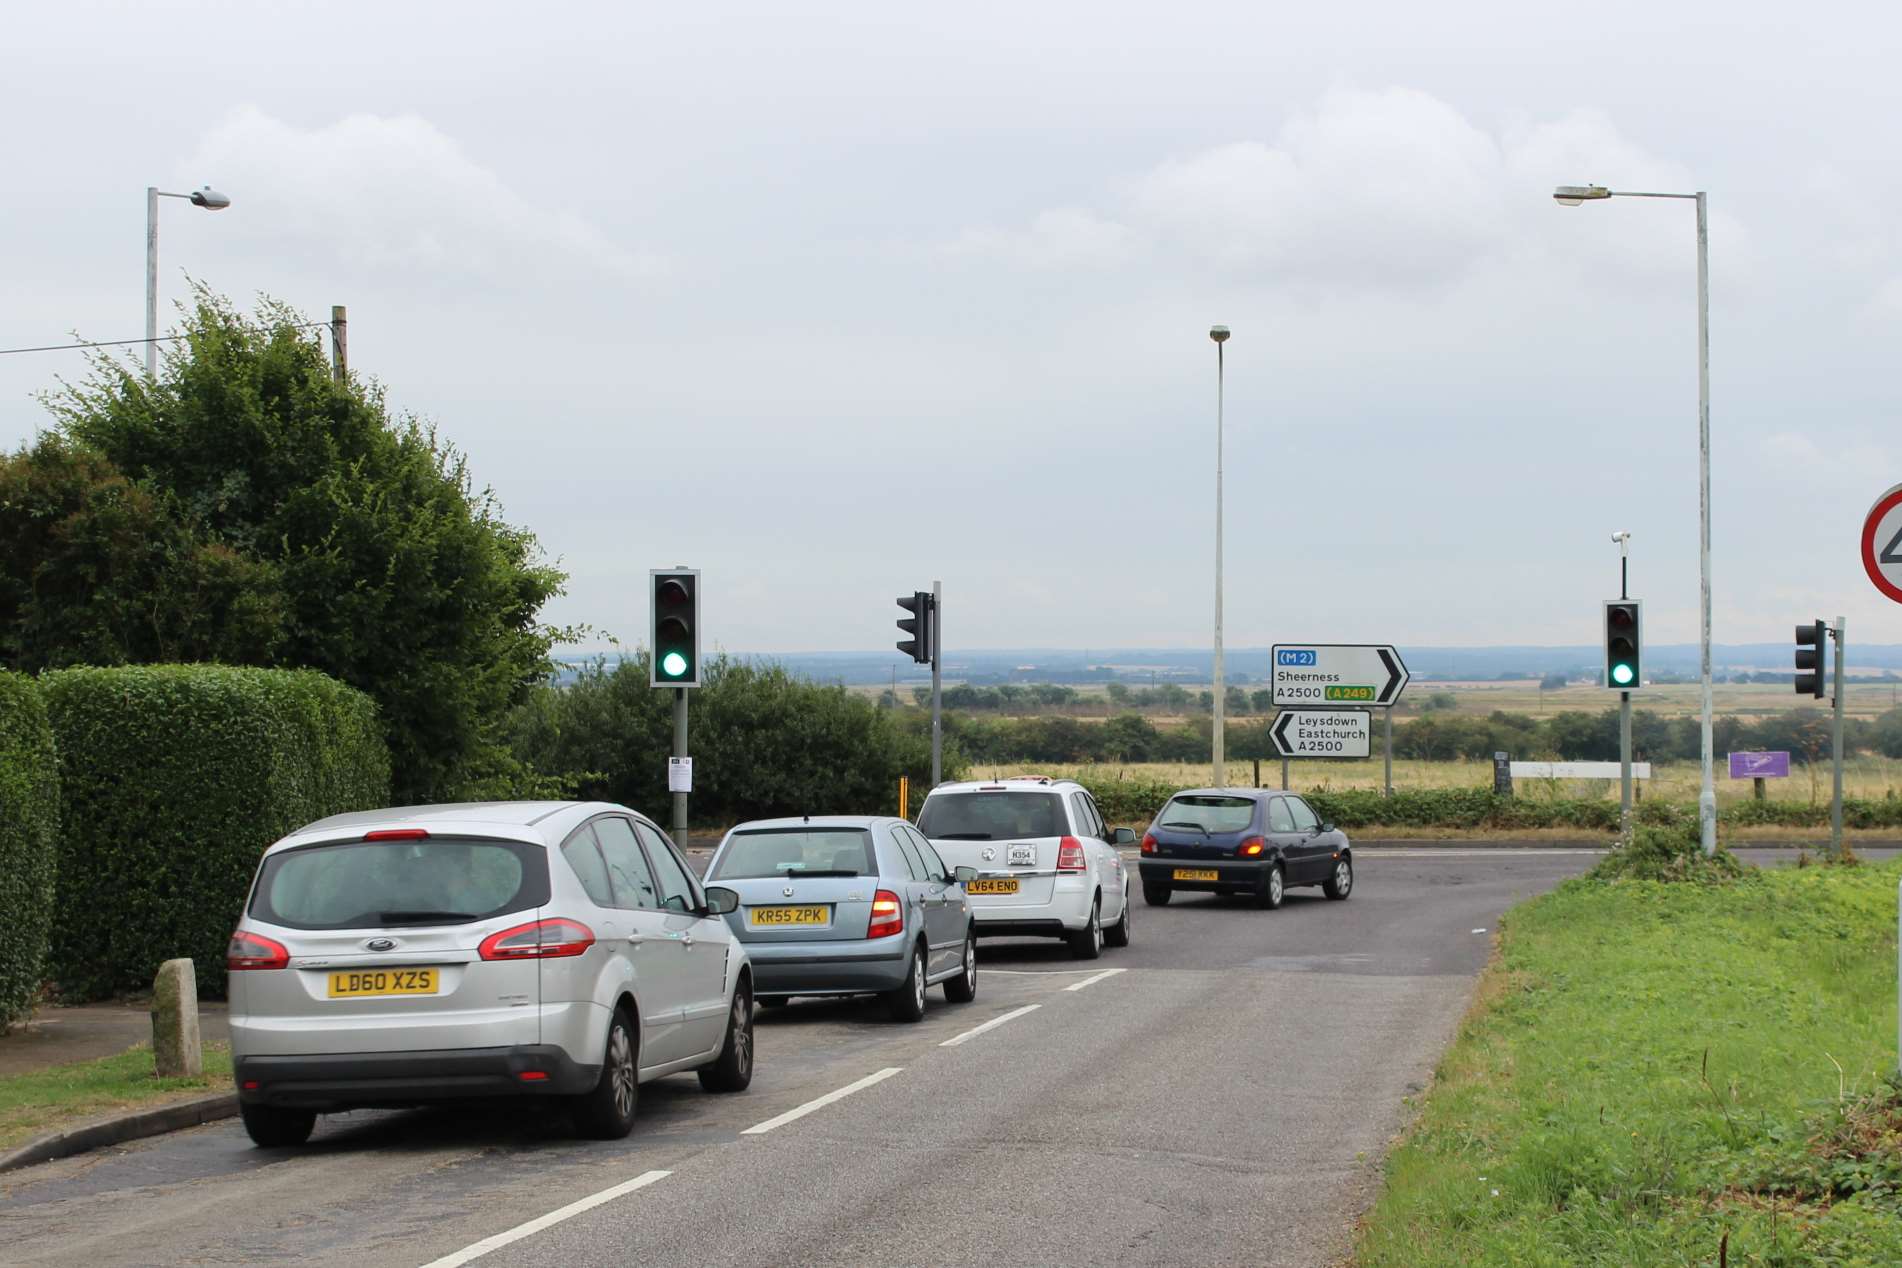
x,y
413,917
794,873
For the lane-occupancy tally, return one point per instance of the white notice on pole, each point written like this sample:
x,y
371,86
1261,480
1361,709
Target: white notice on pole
x,y
680,774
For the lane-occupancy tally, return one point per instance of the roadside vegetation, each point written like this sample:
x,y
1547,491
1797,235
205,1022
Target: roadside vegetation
x,y
62,1096
1673,1060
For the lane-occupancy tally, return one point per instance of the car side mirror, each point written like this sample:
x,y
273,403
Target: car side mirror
x,y
964,875
1122,836
1327,827
721,900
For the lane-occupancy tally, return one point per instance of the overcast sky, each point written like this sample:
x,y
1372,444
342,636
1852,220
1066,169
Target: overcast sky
x,y
831,300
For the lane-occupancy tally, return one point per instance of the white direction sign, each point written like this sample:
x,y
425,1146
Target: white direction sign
x,y
1882,543
1320,675
1323,733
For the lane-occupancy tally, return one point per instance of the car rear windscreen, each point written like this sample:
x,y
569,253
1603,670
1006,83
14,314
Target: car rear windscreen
x,y
1211,814
377,884
992,816
796,852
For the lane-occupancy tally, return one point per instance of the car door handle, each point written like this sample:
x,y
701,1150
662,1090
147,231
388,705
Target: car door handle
x,y
686,939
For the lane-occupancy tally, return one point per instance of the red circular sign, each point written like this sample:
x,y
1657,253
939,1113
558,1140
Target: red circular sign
x,y
1882,543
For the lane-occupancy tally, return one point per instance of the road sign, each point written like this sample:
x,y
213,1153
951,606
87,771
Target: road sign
x,y
1317,675
1775,765
1882,543
1323,733
680,774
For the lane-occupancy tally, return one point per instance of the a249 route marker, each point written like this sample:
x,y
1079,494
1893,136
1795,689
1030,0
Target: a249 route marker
x,y
1329,675
1882,543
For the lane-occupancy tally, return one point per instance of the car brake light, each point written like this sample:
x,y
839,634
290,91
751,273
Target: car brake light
x,y
887,916
1070,855
1149,843
538,940
533,1076
249,950
397,834
1251,847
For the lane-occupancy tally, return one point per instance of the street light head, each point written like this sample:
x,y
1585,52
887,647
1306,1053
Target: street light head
x,y
210,199
1219,333
1573,195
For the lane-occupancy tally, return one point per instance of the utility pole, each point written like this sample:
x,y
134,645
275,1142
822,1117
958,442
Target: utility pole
x,y
1220,335
1836,752
1389,753
680,750
937,682
339,342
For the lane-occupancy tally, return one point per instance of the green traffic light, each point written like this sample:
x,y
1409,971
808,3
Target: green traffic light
x,y
1621,674
673,664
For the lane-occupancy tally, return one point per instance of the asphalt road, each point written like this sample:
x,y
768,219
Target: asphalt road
x,y
1221,1096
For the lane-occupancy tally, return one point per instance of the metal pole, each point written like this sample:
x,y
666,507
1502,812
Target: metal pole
x,y
1284,772
151,281
680,750
1389,759
1836,753
1707,794
339,342
1624,768
937,682
1217,735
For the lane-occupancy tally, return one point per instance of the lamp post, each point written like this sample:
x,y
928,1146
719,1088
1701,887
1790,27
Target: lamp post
x,y
1220,335
1572,196
208,198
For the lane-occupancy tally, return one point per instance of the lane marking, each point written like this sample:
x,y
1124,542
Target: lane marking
x,y
1091,981
992,1024
516,1234
1040,972
760,1129
1402,852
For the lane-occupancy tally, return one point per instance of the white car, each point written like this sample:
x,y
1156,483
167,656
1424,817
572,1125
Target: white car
x,y
556,950
1047,865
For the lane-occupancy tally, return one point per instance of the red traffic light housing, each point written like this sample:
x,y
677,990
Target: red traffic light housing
x,y
1811,640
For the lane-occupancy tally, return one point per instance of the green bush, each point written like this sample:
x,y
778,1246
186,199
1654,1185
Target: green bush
x,y
1674,853
29,842
174,779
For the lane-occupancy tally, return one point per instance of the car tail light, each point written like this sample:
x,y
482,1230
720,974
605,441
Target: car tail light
x,y
887,916
1149,843
539,940
397,834
1250,847
249,950
533,1076
1070,855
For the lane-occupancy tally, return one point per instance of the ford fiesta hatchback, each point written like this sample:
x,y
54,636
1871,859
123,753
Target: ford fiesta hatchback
x,y
554,950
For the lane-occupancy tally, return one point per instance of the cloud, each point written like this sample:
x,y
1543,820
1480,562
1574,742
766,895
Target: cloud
x,y
1062,237
396,194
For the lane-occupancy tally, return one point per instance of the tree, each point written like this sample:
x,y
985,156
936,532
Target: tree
x,y
355,542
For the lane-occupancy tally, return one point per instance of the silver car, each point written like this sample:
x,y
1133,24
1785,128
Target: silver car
x,y
848,905
555,950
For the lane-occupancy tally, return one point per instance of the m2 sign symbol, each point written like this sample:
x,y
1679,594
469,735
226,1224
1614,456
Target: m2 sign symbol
x,y
1295,656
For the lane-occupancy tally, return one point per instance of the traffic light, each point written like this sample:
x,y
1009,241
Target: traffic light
x,y
917,626
676,627
1810,642
1623,642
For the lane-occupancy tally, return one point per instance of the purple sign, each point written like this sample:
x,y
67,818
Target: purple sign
x,y
1759,765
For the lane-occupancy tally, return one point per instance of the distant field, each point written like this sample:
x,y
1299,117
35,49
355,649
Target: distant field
x,y
1678,781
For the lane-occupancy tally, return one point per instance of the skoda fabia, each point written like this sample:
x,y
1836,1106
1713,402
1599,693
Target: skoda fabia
x,y
555,950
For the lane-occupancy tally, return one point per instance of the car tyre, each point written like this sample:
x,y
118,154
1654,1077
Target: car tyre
x,y
1157,895
1087,943
962,989
1273,888
274,1127
607,1112
907,1003
1117,935
732,1070
1340,882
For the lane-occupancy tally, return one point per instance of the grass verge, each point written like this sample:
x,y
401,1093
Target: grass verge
x,y
63,1095
1657,1073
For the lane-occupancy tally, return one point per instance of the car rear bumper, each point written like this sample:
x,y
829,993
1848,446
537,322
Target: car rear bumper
x,y
829,968
1229,875
336,1081
1067,911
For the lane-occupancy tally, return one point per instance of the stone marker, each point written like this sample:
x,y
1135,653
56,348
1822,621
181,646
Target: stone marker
x,y
176,1051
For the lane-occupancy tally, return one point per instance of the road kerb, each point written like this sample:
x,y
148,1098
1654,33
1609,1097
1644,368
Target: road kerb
x,y
133,1125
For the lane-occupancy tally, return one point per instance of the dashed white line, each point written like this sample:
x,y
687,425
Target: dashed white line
x,y
1091,981
992,1024
516,1234
760,1129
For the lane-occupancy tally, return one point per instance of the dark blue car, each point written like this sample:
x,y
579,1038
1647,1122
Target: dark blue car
x,y
1252,841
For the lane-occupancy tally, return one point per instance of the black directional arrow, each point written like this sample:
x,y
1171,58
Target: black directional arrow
x,y
1280,732
1396,676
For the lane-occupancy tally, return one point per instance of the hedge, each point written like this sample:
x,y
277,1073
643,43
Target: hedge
x,y
29,842
174,778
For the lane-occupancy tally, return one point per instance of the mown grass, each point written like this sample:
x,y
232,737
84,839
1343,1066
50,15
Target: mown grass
x,y
1657,1070
56,1097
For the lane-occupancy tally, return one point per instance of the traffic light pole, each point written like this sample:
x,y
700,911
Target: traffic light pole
x,y
1836,753
680,750
1624,708
937,682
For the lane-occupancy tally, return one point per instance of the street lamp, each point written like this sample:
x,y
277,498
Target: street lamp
x,y
208,198
1220,335
1572,196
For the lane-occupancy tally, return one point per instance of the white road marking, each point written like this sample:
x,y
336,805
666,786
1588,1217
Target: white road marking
x,y
1041,972
1479,931
516,1234
992,1024
1399,852
760,1129
1090,981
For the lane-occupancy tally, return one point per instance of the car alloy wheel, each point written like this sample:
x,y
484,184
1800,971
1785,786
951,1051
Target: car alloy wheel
x,y
742,1024
1096,928
1343,877
621,1066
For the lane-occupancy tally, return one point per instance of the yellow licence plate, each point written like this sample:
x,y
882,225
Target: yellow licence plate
x,y
1197,874
359,982
1001,885
789,915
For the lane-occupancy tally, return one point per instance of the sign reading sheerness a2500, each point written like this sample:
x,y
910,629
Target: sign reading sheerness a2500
x,y
1315,675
